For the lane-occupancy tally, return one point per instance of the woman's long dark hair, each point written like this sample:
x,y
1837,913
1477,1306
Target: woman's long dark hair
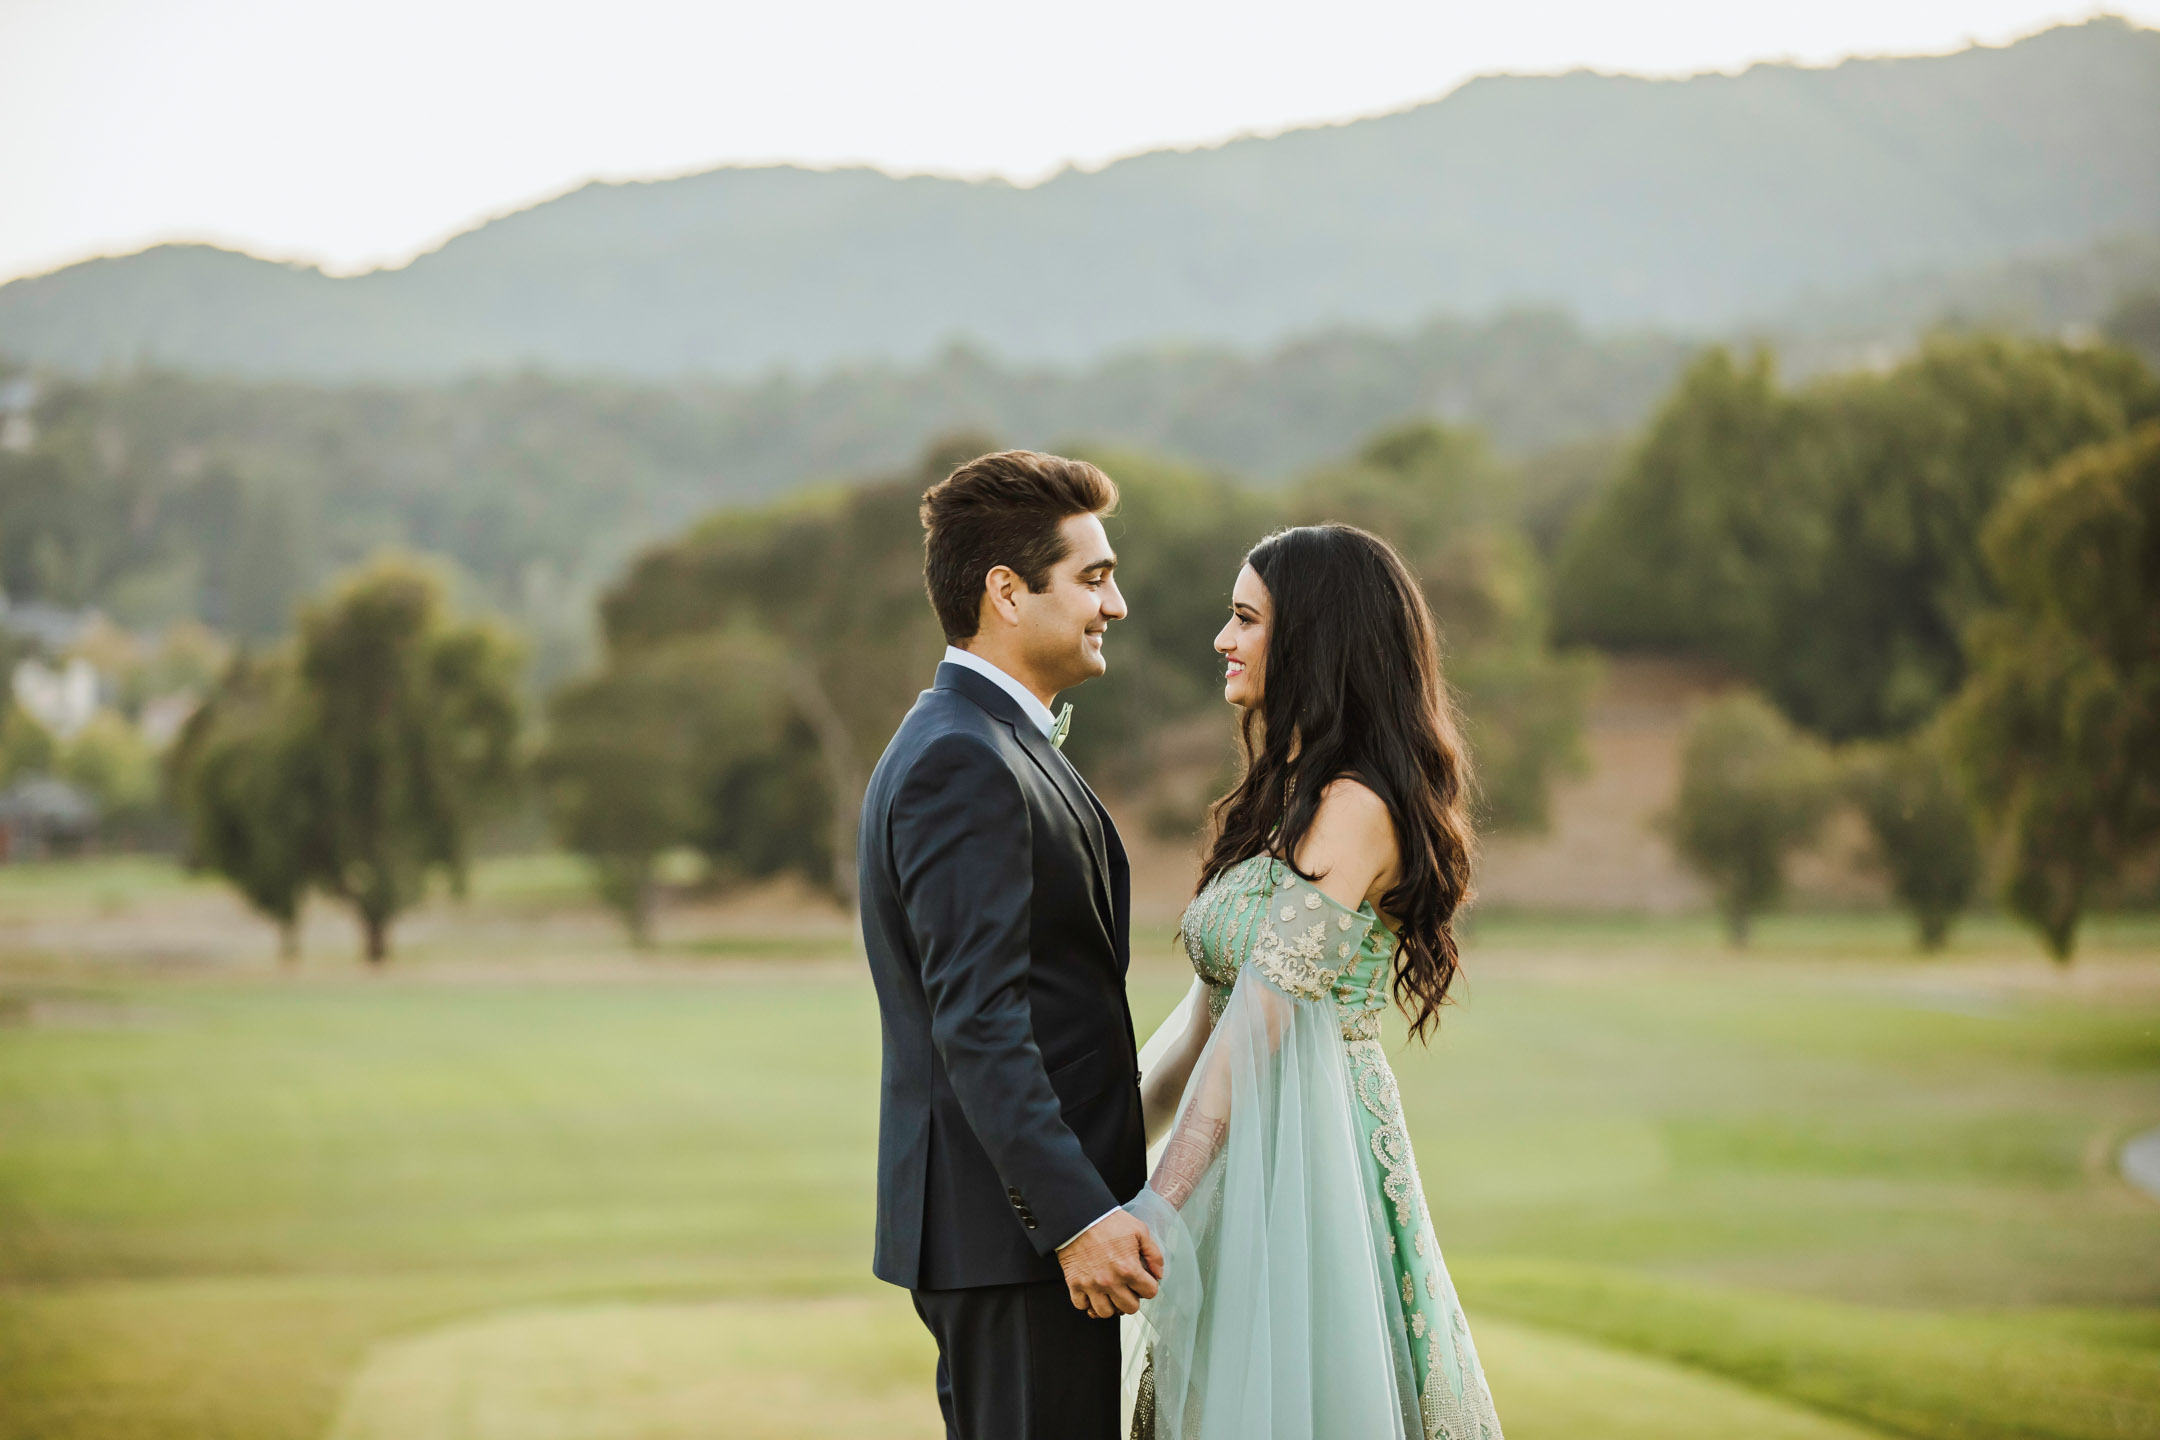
x,y
1351,685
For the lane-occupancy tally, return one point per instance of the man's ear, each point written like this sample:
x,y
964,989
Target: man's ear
x,y
999,588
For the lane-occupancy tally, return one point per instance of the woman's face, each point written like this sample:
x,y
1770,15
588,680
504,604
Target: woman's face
x,y
1242,642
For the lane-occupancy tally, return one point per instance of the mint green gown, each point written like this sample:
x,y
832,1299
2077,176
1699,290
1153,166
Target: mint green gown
x,y
1304,1297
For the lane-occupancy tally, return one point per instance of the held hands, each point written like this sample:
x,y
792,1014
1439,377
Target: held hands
x,y
1112,1266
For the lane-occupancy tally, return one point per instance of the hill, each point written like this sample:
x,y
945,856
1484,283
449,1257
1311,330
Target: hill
x,y
1692,203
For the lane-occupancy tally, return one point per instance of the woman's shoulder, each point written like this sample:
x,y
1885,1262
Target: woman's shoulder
x,y
1351,841
1351,804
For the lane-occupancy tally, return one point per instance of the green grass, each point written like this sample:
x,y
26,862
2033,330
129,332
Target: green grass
x,y
42,888
256,1128
1819,934
831,1369
1990,1376
752,947
1818,1192
839,1368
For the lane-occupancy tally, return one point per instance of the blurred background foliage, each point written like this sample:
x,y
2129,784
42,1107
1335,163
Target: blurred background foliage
x,y
1822,541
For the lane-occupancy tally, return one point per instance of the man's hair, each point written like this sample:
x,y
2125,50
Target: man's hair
x,y
1001,509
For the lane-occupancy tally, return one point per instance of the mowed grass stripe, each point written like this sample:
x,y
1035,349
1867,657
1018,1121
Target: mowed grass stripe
x,y
250,1128
218,1197
1977,1377
839,1369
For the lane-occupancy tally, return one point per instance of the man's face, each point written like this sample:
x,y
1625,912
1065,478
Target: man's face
x,y
1061,628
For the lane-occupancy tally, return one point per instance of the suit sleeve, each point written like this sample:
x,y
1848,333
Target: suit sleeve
x,y
962,852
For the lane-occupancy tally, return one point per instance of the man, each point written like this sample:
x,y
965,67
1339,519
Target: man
x,y
996,913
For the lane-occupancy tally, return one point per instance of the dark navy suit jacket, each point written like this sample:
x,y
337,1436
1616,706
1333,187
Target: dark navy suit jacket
x,y
996,912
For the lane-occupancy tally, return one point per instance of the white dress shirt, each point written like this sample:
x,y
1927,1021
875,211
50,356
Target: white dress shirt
x,y
1038,712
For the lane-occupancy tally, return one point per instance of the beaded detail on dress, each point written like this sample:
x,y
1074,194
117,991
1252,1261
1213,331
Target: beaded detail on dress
x,y
1308,944
1312,948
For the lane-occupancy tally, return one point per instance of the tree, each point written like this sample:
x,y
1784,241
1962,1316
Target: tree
x,y
242,773
1752,791
1922,827
2134,323
26,747
2057,730
108,760
681,743
1671,555
834,580
1824,542
412,723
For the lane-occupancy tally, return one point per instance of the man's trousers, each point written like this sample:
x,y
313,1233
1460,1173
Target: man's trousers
x,y
1018,1362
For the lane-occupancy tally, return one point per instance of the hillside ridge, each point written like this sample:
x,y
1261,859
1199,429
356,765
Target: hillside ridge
x,y
1689,203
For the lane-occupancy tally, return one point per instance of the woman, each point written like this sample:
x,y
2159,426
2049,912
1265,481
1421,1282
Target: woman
x,y
1303,1293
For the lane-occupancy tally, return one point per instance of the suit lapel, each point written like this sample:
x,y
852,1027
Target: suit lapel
x,y
1120,878
1086,811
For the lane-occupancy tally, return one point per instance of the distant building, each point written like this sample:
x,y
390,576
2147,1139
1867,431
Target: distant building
x,y
52,628
61,699
40,816
18,428
163,718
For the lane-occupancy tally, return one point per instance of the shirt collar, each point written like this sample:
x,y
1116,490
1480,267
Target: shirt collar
x,y
1033,708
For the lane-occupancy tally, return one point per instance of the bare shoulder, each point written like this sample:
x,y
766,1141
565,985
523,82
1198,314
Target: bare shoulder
x,y
1351,804
1351,843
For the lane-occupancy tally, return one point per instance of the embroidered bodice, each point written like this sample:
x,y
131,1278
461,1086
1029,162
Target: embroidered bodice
x,y
1261,912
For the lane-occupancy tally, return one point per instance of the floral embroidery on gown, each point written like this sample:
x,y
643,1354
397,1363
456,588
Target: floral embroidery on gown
x,y
1304,1294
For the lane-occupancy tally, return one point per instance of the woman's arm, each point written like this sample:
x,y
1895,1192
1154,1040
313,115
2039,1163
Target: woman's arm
x,y
1351,848
1350,845
1164,1083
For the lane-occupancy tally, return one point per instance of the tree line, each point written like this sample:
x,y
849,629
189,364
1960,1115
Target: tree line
x,y
160,497
1941,582
754,666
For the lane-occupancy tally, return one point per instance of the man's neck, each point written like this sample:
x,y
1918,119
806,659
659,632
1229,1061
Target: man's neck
x,y
1011,665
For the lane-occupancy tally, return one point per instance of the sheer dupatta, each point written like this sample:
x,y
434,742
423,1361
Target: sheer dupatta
x,y
1277,1317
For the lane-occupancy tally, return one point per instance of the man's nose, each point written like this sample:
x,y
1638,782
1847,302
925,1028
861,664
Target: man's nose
x,y
1113,604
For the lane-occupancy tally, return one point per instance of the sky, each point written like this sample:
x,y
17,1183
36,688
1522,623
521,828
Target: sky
x,y
358,133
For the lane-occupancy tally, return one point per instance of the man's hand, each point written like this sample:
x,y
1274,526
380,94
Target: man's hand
x,y
1112,1266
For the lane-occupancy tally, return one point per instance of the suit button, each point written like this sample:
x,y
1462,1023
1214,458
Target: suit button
x,y
1028,1220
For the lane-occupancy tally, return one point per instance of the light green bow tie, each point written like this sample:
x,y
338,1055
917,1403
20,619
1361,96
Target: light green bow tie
x,y
1059,726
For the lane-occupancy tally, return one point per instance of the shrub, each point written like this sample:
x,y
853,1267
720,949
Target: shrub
x,y
1925,841
1752,791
